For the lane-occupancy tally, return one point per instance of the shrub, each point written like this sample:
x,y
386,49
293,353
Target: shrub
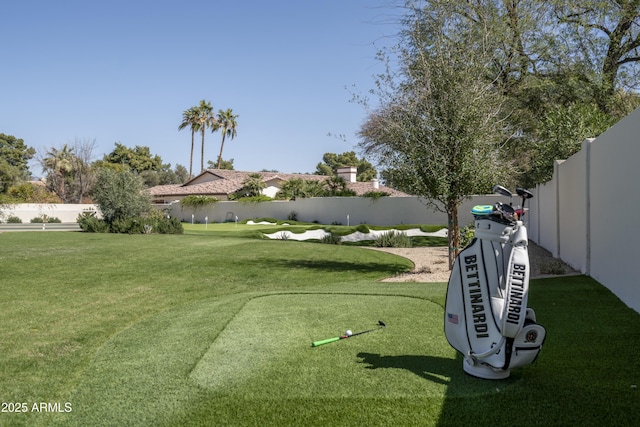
x,y
167,226
30,193
466,235
89,223
293,216
375,195
44,218
138,225
197,201
128,225
331,239
119,195
14,220
393,239
254,199
362,228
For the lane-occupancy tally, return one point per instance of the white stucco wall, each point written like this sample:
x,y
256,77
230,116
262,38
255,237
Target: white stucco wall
x,y
342,210
572,212
615,204
64,212
586,214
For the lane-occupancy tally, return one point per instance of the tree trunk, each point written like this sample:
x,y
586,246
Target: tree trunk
x,y
221,147
202,153
453,233
193,134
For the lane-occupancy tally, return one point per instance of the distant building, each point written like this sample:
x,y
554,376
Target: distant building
x,y
220,183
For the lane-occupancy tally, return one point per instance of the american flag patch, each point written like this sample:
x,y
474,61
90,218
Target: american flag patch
x,y
452,318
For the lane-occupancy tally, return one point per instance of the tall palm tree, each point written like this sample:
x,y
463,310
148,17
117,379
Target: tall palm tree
x,y
206,119
190,119
59,164
226,122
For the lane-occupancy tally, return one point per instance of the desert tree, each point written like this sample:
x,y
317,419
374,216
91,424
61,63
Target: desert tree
x,y
439,124
119,195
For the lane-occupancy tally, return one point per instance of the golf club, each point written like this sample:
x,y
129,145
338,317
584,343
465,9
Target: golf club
x,y
524,194
381,324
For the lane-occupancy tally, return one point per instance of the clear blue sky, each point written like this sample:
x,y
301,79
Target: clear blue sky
x,y
124,71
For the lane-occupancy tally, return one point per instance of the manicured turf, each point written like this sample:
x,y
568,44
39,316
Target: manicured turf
x,y
211,330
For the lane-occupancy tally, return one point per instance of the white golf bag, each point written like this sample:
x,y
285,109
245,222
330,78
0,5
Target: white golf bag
x,y
486,313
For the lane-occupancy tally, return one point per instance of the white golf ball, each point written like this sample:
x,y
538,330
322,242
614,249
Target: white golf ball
x,y
348,333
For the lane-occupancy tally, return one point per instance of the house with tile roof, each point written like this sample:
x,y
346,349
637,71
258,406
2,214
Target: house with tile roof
x,y
221,183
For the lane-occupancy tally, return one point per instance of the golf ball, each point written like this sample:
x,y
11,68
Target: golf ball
x,y
348,333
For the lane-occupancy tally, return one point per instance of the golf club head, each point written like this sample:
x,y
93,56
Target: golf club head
x,y
381,323
525,194
499,189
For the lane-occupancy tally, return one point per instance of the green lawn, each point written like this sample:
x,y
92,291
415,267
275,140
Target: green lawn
x,y
210,329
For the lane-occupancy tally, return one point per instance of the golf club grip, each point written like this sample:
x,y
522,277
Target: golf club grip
x,y
327,341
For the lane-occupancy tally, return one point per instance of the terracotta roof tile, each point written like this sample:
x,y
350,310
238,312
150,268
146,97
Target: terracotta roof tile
x,y
224,182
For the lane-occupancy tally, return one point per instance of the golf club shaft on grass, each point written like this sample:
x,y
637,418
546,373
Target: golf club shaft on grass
x,y
381,324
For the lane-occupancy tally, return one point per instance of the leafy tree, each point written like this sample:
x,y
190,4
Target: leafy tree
x,y
119,195
546,55
9,175
563,130
604,36
181,175
227,123
331,162
190,120
165,175
14,159
220,164
136,159
438,126
27,192
140,160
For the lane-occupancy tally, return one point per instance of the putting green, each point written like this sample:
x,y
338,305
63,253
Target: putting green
x,y
258,348
265,350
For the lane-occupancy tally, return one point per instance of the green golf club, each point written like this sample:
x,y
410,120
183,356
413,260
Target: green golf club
x,y
381,324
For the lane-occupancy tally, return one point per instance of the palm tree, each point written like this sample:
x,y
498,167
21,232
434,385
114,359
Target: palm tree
x,y
190,119
59,163
206,119
226,122
253,185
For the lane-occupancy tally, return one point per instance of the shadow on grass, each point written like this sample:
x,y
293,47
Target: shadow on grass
x,y
387,269
441,370
435,369
587,372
